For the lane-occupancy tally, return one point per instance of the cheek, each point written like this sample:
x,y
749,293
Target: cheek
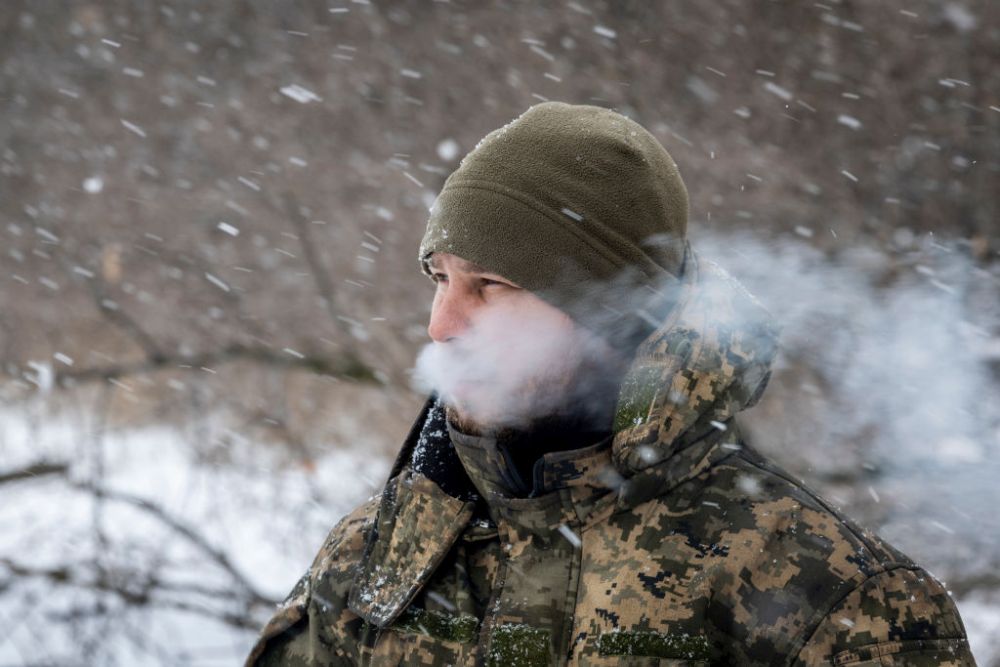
x,y
546,316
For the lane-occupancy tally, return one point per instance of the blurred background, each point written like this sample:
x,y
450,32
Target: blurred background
x,y
210,303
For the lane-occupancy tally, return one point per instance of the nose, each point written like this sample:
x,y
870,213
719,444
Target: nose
x,y
450,314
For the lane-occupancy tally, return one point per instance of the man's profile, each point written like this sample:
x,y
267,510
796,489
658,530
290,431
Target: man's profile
x,y
576,490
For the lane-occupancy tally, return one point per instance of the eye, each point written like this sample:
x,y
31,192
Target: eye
x,y
439,277
489,282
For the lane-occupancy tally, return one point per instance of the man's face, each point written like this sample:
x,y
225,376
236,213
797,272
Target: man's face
x,y
501,356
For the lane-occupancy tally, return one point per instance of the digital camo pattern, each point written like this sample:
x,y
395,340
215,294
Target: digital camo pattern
x,y
673,544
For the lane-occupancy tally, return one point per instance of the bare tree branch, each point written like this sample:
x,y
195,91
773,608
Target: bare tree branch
x,y
119,317
217,556
346,366
69,576
33,471
319,273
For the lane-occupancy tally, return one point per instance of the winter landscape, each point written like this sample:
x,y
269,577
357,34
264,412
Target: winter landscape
x,y
211,306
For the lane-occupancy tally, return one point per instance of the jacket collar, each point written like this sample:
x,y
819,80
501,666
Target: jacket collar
x,y
490,465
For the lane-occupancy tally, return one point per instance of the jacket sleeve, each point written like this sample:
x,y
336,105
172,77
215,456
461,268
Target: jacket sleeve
x,y
901,617
314,626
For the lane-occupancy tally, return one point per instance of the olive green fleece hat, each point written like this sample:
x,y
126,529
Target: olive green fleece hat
x,y
576,203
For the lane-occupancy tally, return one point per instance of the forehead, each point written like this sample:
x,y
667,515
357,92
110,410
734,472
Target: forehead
x,y
443,260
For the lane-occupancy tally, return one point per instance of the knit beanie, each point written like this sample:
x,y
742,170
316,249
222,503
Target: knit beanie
x,y
576,203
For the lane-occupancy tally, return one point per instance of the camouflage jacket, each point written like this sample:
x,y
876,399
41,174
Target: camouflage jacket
x,y
670,543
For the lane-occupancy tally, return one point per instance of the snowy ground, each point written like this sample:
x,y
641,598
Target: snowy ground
x,y
257,527
108,582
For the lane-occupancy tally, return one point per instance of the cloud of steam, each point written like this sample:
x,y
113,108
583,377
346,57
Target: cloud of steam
x,y
513,367
898,343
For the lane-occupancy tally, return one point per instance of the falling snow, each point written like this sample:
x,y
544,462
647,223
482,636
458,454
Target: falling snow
x,y
93,184
300,94
211,300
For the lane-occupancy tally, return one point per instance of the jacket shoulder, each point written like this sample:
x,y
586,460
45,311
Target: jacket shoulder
x,y
298,633
760,480
802,563
783,503
777,572
752,511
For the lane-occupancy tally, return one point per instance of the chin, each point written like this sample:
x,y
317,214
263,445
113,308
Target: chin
x,y
467,422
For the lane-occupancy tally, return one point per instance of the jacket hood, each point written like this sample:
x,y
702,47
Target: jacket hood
x,y
708,360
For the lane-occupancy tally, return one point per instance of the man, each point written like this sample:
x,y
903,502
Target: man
x,y
576,490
